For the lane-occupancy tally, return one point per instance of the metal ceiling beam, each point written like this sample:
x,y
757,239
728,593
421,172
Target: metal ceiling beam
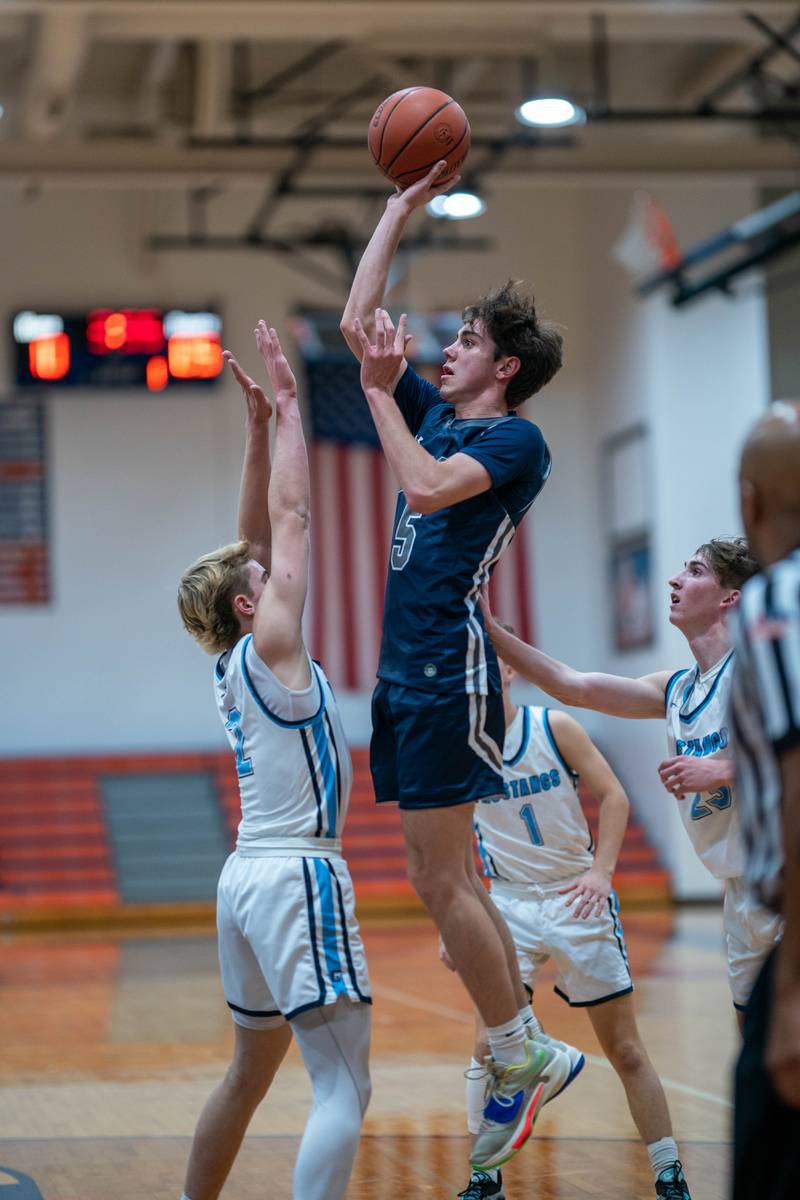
x,y
161,62
780,41
749,69
128,161
306,139
59,49
213,84
270,87
457,23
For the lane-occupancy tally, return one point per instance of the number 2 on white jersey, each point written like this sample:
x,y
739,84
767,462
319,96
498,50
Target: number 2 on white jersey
x,y
244,766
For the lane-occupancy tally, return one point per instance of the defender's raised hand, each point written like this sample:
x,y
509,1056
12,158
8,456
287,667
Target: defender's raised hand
x,y
381,360
259,408
280,373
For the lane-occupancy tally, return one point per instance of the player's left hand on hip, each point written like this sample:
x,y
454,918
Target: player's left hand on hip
x,y
589,894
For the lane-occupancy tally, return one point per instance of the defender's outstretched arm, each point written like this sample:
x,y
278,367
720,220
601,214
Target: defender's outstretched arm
x,y
254,524
613,694
277,626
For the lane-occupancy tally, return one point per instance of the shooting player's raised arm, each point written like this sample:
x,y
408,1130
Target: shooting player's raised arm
x,y
369,285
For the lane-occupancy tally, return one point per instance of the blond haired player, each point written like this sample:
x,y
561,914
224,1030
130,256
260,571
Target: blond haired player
x,y
290,952
553,888
699,771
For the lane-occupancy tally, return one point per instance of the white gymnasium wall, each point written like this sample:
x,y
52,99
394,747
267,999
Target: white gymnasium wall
x,y
140,485
697,377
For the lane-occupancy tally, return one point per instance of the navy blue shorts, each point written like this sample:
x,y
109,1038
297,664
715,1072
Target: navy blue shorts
x,y
433,750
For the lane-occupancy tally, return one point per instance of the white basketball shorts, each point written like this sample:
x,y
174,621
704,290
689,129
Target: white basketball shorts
x,y
591,955
288,938
751,931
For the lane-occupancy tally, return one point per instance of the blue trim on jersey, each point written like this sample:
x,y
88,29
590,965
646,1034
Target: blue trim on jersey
x,y
673,679
345,937
314,783
312,933
546,720
591,1003
337,762
489,868
252,1012
526,733
692,716
613,908
219,672
328,773
266,711
329,943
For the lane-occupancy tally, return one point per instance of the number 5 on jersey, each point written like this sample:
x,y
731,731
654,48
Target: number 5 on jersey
x,y
403,541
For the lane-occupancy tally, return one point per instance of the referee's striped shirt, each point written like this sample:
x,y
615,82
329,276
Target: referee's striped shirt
x,y
765,713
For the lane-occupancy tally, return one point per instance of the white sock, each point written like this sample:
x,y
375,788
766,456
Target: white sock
x,y
662,1154
507,1042
479,1171
476,1088
530,1021
184,1196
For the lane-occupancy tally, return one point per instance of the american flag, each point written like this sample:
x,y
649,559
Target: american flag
x,y
353,497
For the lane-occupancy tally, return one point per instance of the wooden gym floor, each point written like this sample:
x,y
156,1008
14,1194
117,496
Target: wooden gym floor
x,y
110,1043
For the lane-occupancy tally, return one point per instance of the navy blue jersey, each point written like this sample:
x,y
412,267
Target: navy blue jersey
x,y
433,635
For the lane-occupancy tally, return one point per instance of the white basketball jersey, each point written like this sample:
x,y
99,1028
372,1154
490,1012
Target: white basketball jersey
x,y
537,833
696,709
291,754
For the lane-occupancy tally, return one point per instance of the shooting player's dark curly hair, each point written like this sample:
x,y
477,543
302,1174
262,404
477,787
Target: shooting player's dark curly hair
x,y
509,318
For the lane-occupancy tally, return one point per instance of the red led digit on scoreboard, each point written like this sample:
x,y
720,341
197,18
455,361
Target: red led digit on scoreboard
x,y
48,357
125,331
194,350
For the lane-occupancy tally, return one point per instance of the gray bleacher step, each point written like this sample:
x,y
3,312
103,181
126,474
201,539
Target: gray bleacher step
x,y
167,834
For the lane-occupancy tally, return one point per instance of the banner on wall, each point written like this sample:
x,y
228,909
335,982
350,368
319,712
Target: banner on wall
x,y
24,566
353,499
628,504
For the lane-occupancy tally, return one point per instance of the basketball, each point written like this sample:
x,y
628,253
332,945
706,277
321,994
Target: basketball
x,y
413,129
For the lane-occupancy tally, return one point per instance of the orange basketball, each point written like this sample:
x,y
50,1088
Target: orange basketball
x,y
413,129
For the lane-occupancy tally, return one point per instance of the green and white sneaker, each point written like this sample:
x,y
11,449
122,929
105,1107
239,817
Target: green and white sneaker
x,y
576,1064
514,1095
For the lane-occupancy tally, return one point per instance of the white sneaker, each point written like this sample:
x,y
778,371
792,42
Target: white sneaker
x,y
560,1074
514,1096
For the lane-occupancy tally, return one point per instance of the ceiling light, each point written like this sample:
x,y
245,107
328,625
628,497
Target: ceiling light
x,y
550,112
457,206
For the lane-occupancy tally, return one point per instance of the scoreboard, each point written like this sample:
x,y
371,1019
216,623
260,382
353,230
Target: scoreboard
x,y
117,348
